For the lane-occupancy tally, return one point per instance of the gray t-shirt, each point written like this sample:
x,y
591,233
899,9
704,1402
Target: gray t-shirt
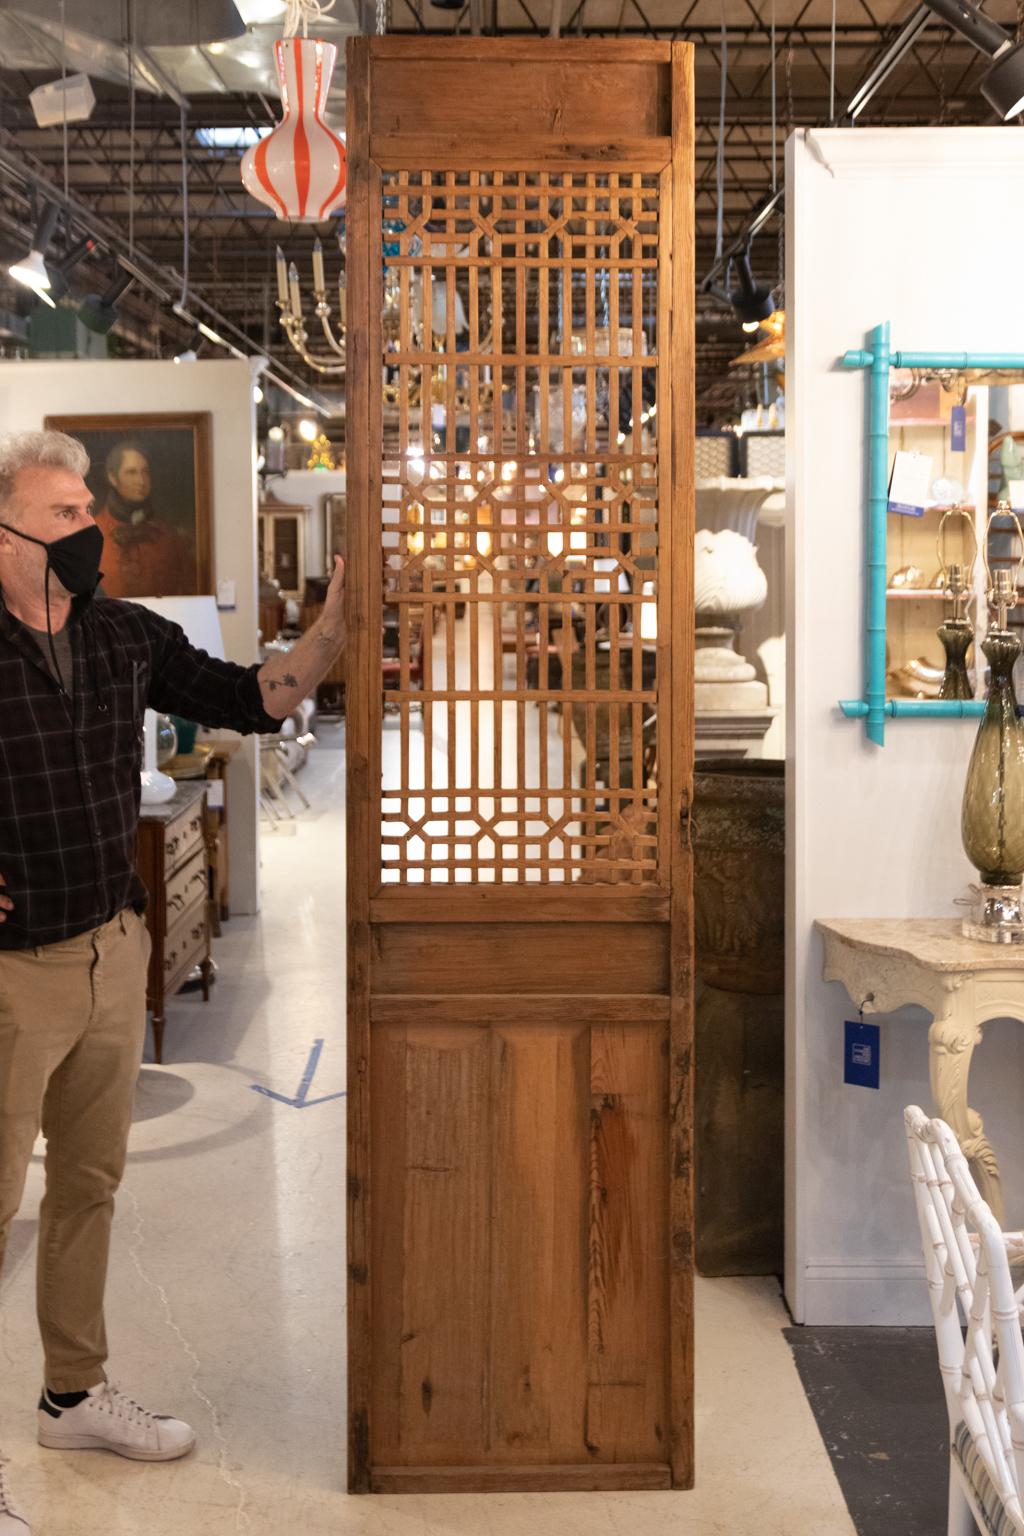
x,y
62,646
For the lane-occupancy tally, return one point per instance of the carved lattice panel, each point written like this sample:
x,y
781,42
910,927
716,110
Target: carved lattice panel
x,y
519,545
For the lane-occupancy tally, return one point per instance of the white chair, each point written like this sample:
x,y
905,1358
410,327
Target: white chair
x,y
967,1264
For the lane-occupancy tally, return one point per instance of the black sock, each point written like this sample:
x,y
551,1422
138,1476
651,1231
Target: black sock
x,y
66,1399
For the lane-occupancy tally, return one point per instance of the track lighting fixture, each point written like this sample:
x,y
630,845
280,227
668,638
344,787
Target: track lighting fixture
x,y
98,312
1003,85
751,303
31,271
59,273
190,352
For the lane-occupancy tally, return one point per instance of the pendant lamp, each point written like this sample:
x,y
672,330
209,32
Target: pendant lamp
x,y
299,169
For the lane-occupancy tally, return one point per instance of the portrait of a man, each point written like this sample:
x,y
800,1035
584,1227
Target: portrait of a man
x,y
150,482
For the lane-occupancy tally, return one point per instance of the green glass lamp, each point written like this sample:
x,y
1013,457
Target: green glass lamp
x,y
956,632
992,818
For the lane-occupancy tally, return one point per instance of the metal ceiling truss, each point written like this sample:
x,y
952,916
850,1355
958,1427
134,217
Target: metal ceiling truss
x,y
232,239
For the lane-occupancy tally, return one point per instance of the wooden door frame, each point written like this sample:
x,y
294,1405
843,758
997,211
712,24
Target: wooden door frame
x,y
672,157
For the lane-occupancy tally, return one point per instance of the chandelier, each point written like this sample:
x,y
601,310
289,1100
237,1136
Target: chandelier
x,y
289,305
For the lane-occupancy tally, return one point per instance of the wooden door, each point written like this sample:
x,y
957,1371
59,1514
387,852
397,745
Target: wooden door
x,y
520,742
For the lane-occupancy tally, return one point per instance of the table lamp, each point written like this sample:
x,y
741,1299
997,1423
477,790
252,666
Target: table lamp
x,y
200,620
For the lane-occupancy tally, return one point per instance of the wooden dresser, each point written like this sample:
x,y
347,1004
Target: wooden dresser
x,y
173,862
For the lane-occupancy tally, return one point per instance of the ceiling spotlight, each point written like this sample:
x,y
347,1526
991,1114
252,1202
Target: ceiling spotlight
x,y
190,352
257,394
1003,85
59,273
31,269
308,430
751,303
276,434
98,312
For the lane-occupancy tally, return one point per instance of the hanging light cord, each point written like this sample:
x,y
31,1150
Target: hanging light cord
x,y
64,92
185,230
775,111
720,167
131,128
302,12
832,71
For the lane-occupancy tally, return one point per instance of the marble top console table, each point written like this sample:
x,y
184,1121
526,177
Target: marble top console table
x,y
885,964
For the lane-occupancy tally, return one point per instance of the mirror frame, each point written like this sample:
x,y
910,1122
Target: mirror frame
x,y
878,360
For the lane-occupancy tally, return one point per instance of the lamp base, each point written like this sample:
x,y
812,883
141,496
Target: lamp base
x,y
997,914
157,787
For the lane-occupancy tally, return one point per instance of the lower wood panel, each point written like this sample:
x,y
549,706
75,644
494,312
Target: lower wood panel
x,y
542,1479
520,1259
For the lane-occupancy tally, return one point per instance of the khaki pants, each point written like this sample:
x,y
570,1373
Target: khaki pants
x,y
72,1020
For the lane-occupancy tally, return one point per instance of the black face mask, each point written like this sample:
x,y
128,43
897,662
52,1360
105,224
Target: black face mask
x,y
74,559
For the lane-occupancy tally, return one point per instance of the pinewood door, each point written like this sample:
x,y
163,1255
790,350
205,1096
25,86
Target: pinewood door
x,y
520,741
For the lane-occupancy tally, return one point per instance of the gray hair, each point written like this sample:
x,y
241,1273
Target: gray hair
x,y
38,450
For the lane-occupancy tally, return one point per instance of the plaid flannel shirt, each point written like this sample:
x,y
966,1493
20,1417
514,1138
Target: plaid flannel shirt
x,y
69,766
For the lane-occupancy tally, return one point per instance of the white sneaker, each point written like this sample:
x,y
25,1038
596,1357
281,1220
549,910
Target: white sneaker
x,y
107,1420
12,1521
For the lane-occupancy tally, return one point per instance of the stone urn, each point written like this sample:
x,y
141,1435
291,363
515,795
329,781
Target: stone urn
x,y
739,910
728,582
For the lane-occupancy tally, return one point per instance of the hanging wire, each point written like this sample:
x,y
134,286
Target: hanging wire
x,y
720,167
382,17
301,12
64,93
775,112
131,128
185,230
832,71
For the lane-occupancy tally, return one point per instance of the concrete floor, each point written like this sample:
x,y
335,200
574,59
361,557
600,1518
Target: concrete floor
x,y
227,1286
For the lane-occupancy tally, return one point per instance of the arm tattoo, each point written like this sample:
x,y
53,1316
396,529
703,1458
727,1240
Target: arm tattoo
x,y
290,681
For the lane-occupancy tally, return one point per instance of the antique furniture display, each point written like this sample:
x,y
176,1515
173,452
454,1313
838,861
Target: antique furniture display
x,y
210,761
886,964
739,846
172,862
519,934
282,547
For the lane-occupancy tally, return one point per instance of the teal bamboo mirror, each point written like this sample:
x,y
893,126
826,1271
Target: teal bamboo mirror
x,y
940,442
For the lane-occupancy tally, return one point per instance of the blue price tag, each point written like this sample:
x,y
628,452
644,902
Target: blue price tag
x,y
958,429
861,1054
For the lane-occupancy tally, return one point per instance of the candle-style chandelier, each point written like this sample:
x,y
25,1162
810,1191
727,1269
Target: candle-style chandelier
x,y
289,305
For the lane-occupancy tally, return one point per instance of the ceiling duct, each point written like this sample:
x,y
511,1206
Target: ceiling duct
x,y
157,24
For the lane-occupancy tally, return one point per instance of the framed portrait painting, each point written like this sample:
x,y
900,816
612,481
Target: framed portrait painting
x,y
150,476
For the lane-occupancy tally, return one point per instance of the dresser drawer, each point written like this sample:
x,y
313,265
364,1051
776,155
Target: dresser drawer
x,y
186,944
187,886
182,837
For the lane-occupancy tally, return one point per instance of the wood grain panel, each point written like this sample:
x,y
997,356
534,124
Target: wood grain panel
x,y
549,97
445,1305
627,1400
521,958
539,1342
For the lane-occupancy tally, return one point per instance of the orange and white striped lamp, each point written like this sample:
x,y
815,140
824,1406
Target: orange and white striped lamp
x,y
299,169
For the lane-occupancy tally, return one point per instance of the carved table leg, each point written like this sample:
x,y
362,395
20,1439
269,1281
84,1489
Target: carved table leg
x,y
951,1043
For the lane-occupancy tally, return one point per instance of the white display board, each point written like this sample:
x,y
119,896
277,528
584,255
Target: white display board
x,y
873,832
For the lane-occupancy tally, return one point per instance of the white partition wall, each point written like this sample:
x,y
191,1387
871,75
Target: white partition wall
x,y
921,227
30,391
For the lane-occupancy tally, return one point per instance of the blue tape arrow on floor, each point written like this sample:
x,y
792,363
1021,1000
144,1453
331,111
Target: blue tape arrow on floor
x,y
301,1101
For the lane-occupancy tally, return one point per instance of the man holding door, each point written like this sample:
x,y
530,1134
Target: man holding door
x,y
76,674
